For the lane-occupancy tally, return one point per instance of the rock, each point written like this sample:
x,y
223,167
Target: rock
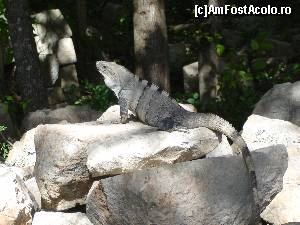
x,y
65,51
297,223
190,77
24,173
68,76
208,191
125,148
261,132
34,191
281,102
45,46
222,149
51,21
16,205
49,26
50,69
55,48
112,115
188,107
55,96
285,207
70,113
61,174
60,218
22,153
68,155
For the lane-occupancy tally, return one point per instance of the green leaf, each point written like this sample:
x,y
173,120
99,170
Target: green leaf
x,y
191,100
259,64
24,105
209,38
9,98
2,128
242,73
196,95
122,20
254,45
220,49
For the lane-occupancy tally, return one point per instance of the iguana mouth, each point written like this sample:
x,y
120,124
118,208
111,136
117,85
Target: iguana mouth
x,y
106,71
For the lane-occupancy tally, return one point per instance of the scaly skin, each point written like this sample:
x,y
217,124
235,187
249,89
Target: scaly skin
x,y
154,107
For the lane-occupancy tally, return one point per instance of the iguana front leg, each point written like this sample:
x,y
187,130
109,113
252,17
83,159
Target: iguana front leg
x,y
123,103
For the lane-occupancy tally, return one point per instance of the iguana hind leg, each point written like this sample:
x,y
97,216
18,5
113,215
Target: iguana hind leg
x,y
166,124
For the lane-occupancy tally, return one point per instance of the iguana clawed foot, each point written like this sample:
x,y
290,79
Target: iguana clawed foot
x,y
124,119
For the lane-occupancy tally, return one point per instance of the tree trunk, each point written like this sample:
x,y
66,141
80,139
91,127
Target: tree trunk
x,y
150,42
29,78
210,64
81,40
1,69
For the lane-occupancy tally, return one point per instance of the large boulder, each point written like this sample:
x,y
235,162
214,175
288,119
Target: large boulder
x,y
34,191
137,146
207,191
261,132
281,102
60,218
68,155
70,114
16,203
285,207
22,154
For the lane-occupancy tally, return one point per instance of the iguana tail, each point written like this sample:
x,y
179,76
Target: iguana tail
x,y
216,123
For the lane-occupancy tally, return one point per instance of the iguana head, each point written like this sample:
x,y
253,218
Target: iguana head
x,y
112,76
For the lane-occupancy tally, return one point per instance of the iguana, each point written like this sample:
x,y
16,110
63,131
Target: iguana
x,y
154,107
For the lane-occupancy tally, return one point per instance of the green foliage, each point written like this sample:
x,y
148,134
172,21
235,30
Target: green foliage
x,y
248,76
2,128
4,149
249,73
15,107
98,96
220,49
5,146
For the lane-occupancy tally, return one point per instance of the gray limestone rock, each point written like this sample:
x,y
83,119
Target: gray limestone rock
x,y
281,102
16,203
60,218
208,191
